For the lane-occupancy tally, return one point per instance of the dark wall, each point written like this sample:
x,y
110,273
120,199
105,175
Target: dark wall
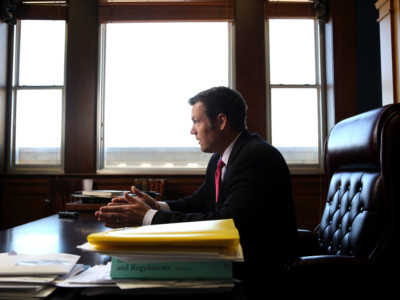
x,y
369,88
352,48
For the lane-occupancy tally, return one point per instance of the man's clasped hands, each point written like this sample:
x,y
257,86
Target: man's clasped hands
x,y
127,211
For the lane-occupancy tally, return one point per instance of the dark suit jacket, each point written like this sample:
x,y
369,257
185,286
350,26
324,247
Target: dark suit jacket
x,y
256,192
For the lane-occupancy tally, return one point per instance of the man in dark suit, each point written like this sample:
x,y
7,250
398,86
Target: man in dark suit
x,y
255,187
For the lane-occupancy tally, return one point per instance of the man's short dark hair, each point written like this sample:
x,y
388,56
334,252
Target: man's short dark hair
x,y
223,100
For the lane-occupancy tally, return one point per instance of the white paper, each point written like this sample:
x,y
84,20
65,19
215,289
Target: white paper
x,y
24,264
18,294
99,276
28,279
172,284
163,254
96,276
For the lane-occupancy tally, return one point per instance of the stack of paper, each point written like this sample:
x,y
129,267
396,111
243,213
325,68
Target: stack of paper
x,y
192,251
104,193
33,276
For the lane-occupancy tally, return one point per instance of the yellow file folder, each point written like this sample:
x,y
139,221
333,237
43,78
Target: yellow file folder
x,y
214,233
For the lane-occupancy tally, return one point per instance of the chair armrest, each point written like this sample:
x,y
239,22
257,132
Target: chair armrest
x,y
337,274
307,243
330,267
326,260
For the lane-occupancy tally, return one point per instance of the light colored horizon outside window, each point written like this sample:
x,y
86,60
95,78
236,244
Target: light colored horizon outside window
x,y
38,90
150,72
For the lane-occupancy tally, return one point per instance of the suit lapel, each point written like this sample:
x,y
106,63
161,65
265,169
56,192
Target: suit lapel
x,y
235,151
238,145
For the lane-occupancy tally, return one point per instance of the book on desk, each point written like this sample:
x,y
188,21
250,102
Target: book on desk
x,y
217,269
189,250
92,199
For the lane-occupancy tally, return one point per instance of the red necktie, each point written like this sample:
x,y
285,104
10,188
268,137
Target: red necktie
x,y
220,165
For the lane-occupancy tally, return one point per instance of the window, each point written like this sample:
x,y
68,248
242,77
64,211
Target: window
x,y
294,89
38,92
150,71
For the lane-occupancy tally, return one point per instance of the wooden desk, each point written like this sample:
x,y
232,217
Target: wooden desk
x,y
54,234
62,235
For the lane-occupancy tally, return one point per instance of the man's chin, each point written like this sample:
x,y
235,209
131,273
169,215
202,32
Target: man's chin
x,y
205,150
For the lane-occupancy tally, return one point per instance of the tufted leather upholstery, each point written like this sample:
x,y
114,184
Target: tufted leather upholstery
x,y
351,222
360,221
362,166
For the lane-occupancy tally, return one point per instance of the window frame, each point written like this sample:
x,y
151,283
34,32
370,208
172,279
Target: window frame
x,y
156,11
299,10
12,166
100,151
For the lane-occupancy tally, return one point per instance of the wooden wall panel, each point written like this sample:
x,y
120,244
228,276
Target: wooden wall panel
x,y
309,193
341,59
250,61
23,197
22,200
81,87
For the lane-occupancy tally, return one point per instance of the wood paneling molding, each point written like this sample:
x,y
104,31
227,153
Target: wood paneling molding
x,y
137,11
289,9
42,12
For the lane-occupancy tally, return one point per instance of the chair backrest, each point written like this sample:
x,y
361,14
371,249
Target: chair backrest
x,y
362,167
60,191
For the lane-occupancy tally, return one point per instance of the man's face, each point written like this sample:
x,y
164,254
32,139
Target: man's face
x,y
205,133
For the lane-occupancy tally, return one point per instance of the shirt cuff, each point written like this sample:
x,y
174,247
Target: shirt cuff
x,y
148,217
164,206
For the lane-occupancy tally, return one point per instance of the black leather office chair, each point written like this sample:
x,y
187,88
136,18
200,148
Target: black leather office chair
x,y
354,245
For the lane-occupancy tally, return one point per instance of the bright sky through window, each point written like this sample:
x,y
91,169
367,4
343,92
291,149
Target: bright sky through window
x,y
42,53
292,51
152,69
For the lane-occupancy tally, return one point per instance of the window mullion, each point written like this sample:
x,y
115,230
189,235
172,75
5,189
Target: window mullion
x,y
268,83
101,96
16,67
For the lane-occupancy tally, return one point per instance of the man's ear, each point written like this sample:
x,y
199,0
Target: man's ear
x,y
221,121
